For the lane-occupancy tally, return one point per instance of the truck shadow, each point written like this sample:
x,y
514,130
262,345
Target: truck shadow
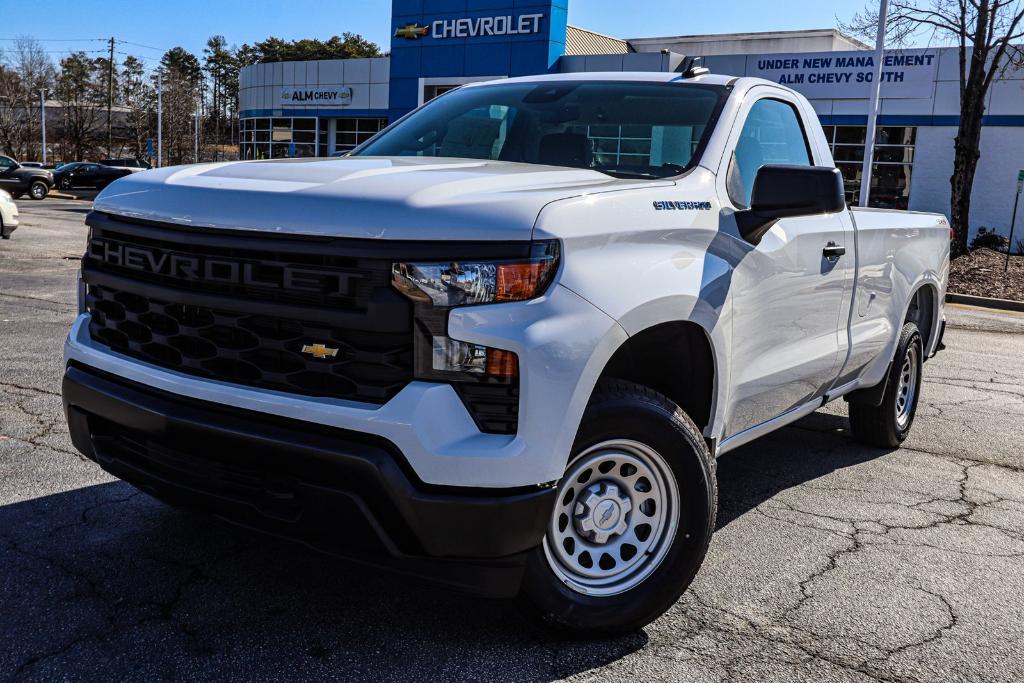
x,y
806,450
107,578
104,582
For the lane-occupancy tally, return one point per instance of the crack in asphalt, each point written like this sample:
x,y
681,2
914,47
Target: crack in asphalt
x,y
43,423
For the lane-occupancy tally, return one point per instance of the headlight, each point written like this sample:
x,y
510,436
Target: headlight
x,y
5,197
449,283
438,286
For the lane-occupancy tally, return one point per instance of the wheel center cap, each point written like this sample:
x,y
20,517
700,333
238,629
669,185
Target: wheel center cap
x,y
601,512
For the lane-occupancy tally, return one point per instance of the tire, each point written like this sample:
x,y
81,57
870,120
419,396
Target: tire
x,y
625,423
65,183
887,425
38,190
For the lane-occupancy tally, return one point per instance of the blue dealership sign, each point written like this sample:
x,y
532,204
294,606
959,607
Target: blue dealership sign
x,y
452,41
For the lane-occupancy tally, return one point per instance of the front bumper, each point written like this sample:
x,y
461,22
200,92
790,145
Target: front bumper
x,y
342,492
8,225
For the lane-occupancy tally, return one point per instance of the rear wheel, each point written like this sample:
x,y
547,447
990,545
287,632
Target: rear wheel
x,y
38,189
633,518
888,425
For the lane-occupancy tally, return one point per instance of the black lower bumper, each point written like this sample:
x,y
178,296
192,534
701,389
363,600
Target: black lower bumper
x,y
342,492
6,230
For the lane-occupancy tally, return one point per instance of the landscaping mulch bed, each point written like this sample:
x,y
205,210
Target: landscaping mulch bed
x,y
980,273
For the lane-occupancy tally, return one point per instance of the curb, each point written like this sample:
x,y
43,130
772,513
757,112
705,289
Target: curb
x,y
985,302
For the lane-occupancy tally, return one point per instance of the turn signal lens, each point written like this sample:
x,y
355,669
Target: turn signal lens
x,y
502,364
520,281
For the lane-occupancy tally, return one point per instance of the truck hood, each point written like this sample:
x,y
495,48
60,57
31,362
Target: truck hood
x,y
409,198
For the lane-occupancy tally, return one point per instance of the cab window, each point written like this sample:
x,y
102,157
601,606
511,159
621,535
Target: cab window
x,y
772,134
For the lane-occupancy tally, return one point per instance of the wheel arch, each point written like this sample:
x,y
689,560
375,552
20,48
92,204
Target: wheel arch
x,y
677,359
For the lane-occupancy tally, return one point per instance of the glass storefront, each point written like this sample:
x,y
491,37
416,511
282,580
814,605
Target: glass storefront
x,y
890,171
284,137
352,132
279,138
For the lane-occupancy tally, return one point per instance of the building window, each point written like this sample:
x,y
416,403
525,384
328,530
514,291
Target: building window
x,y
278,138
890,170
353,132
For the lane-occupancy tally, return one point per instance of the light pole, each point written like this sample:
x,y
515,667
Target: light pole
x,y
42,119
159,119
876,87
196,152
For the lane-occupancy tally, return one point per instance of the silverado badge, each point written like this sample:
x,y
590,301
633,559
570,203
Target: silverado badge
x,y
319,350
411,31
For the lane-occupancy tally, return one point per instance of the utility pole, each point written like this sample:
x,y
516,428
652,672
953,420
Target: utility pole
x,y
159,118
196,152
110,100
876,87
42,117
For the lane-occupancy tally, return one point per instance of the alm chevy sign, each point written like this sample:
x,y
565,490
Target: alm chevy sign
x,y
331,95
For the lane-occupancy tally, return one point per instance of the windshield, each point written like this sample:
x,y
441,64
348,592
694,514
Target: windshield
x,y
624,129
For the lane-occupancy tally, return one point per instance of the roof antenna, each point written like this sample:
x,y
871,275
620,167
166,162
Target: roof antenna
x,y
691,68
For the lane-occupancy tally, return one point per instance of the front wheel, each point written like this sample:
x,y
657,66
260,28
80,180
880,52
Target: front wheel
x,y
633,517
888,425
38,189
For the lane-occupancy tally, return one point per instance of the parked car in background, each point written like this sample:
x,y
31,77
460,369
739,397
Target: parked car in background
x,y
8,215
86,174
31,164
135,164
19,179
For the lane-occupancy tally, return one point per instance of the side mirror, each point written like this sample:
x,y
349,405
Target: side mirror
x,y
782,191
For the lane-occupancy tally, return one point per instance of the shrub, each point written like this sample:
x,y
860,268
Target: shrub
x,y
989,239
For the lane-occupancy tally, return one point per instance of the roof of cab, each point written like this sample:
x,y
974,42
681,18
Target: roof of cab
x,y
652,76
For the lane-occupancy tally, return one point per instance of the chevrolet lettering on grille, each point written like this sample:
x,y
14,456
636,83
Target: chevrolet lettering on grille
x,y
223,271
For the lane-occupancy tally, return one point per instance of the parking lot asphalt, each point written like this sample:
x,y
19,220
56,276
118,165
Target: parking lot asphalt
x,y
831,560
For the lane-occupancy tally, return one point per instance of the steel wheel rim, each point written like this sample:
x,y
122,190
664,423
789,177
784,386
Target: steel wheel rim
x,y
906,389
37,192
617,505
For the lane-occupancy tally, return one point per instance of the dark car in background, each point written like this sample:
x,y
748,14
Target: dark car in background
x,y
20,180
127,163
87,174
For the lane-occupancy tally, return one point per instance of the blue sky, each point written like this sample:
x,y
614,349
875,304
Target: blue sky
x,y
164,24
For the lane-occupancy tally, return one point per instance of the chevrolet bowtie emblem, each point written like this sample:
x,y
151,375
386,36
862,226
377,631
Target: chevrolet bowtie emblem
x,y
411,31
319,350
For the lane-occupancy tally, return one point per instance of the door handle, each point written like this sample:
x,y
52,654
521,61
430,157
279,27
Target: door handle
x,y
833,251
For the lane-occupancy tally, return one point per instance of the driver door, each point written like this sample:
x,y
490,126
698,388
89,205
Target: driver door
x,y
788,296
7,179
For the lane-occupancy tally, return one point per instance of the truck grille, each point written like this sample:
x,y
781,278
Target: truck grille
x,y
256,350
242,308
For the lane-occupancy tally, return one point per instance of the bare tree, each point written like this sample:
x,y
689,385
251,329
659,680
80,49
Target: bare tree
x,y
139,100
26,71
984,31
79,93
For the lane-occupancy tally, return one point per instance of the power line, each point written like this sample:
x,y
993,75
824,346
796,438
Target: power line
x,y
148,47
54,40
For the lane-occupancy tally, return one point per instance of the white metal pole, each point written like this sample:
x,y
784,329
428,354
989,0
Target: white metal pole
x,y
42,117
159,119
876,87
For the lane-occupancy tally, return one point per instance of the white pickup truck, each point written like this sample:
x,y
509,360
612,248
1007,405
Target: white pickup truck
x,y
502,344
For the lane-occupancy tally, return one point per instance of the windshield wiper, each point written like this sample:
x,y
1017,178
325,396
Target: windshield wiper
x,y
629,174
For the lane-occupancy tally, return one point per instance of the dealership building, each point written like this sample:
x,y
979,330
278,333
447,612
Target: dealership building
x,y
317,108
